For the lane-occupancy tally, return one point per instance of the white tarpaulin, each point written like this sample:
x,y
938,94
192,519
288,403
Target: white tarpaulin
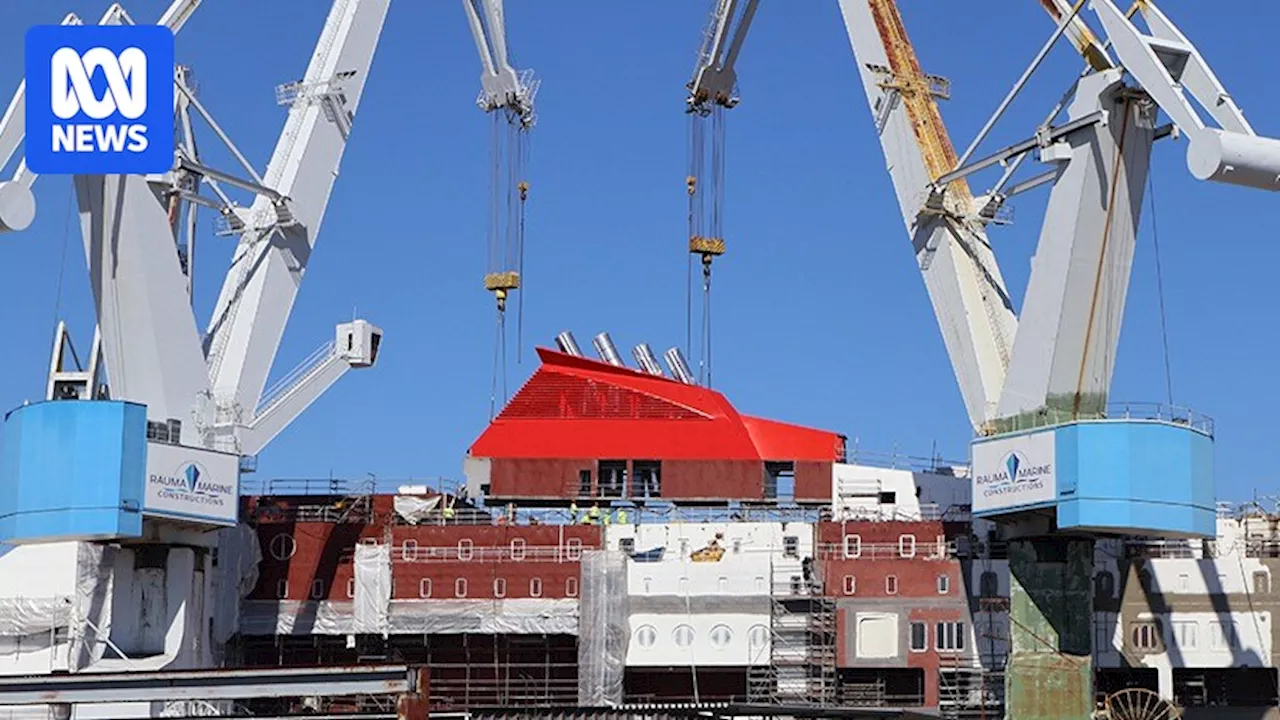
x,y
604,628
415,508
239,554
373,589
445,617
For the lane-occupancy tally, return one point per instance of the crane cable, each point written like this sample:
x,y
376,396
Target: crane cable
x,y
706,238
509,193
1164,328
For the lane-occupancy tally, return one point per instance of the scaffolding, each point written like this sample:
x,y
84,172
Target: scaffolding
x,y
801,661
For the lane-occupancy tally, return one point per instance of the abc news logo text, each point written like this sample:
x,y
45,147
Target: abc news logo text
x,y
99,99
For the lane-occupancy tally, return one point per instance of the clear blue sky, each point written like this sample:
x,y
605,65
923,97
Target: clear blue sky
x,y
821,316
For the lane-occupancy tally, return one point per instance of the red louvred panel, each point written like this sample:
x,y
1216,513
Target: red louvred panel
x,y
553,395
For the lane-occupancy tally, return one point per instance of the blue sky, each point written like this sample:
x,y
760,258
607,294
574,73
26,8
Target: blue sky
x,y
821,317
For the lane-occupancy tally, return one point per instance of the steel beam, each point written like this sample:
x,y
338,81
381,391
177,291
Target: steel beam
x,y
211,685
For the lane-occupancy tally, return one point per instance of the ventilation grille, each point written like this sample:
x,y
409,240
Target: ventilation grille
x,y
552,395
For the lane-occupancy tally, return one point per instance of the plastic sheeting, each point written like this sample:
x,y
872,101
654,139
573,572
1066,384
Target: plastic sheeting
x,y
95,570
414,508
239,554
373,589
603,628
414,617
32,616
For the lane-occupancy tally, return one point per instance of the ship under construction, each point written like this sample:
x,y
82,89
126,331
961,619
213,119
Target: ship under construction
x,y
623,542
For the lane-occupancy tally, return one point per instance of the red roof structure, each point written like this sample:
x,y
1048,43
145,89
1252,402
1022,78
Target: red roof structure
x,y
576,407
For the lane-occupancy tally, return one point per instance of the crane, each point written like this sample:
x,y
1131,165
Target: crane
x,y
713,89
139,235
1060,359
1052,463
508,96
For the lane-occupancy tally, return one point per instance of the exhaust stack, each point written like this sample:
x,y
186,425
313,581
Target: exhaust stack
x,y
607,351
679,368
567,344
645,359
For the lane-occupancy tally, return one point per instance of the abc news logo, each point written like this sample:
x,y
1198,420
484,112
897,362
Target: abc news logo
x,y
99,99
73,93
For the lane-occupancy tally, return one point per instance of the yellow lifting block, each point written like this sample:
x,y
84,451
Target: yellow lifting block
x,y
706,246
503,281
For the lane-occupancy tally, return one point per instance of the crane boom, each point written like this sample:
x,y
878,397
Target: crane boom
x,y
257,296
950,243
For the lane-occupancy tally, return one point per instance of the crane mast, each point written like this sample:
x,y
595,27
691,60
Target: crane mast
x,y
713,89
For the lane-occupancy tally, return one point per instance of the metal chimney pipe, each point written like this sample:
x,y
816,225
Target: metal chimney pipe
x,y
607,351
679,368
567,344
645,359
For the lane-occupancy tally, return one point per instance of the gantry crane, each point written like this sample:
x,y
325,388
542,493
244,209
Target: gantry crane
x,y
713,89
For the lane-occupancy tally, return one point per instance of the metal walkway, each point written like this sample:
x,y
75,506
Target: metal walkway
x,y
241,684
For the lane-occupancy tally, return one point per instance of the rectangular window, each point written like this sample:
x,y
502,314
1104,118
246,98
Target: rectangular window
x,y
465,549
949,636
850,585
499,587
351,588
1184,635
627,545
647,480
907,545
797,585
891,585
424,588
535,587
944,584
517,549
791,546
612,478
282,589
317,589
888,498
852,546
919,637
571,587
1222,636
573,548
584,483
460,587
409,550
1261,583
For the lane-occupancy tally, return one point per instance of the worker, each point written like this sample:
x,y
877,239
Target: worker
x,y
447,513
594,513
622,516
608,518
573,512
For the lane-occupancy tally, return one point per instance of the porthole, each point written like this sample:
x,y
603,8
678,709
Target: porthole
x,y
682,635
646,636
283,546
721,636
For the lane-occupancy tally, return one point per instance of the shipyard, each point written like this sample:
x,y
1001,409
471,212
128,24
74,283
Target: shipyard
x,y
869,503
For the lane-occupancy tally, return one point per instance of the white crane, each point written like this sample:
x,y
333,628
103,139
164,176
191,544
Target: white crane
x,y
210,389
1057,362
